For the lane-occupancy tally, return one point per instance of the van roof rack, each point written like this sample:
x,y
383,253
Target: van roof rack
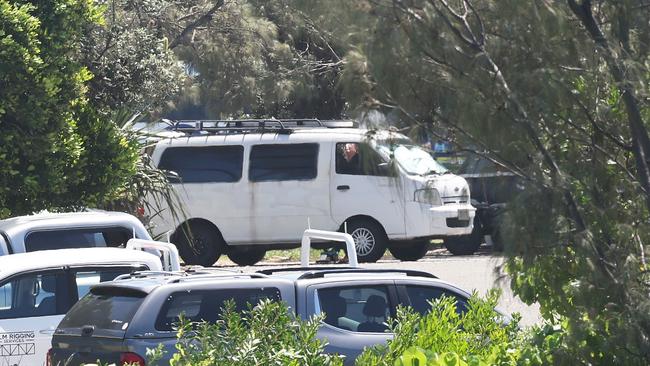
x,y
322,271
238,126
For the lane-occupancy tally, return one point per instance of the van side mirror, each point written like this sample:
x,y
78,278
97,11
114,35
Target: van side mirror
x,y
172,176
384,169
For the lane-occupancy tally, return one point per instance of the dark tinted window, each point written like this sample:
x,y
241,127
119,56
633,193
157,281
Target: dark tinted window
x,y
204,164
359,159
206,305
420,296
33,294
77,238
283,162
358,308
104,309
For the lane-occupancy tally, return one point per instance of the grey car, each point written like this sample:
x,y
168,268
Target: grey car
x,y
118,321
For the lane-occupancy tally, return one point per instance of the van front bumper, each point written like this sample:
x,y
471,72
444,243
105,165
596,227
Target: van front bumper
x,y
438,221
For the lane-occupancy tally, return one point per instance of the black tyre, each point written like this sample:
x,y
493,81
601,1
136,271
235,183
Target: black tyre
x,y
246,255
199,243
411,251
369,239
463,245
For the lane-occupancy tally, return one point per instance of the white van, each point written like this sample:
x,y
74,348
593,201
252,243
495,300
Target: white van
x,y
38,288
249,186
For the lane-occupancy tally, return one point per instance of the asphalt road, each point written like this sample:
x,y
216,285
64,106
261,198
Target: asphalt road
x,y
475,272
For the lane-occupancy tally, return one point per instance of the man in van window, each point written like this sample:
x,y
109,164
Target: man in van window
x,y
348,160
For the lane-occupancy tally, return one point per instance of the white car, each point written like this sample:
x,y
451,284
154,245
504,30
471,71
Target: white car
x,y
37,289
250,186
68,230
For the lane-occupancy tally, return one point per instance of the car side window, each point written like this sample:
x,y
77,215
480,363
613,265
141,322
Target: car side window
x,y
203,164
281,162
356,308
207,305
354,158
420,298
32,295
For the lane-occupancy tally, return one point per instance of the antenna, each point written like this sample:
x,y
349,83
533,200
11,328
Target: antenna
x,y
345,227
308,223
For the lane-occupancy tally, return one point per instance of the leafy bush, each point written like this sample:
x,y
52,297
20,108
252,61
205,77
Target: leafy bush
x,y
444,337
266,334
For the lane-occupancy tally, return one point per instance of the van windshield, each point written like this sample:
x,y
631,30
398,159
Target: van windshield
x,y
412,158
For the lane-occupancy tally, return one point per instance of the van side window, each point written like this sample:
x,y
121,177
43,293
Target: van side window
x,y
283,162
203,164
33,294
353,158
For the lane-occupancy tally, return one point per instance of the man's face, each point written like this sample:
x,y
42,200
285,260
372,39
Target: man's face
x,y
349,151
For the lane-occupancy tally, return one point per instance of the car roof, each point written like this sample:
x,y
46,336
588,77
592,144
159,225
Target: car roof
x,y
45,259
65,219
147,281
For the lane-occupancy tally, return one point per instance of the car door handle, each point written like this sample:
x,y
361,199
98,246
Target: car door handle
x,y
46,331
343,187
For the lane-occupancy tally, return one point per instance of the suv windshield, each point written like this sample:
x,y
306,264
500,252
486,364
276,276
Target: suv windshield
x,y
77,238
412,158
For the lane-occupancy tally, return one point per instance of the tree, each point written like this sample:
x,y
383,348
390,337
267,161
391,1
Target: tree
x,y
558,93
55,151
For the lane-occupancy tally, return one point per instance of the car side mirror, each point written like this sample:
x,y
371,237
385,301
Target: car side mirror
x,y
385,169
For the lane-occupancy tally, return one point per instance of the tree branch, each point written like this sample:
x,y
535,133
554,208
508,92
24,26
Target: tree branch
x,y
198,22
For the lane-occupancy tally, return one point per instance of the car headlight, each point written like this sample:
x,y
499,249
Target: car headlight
x,y
428,195
464,195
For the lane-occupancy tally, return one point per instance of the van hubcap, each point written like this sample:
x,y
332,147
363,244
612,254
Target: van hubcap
x,y
363,240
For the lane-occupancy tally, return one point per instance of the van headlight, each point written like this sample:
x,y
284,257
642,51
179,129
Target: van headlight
x,y
428,195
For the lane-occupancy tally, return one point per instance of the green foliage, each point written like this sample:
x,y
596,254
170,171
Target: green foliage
x,y
266,334
445,337
55,150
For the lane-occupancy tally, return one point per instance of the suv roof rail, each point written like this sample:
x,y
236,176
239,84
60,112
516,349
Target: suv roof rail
x,y
282,126
271,271
208,275
323,273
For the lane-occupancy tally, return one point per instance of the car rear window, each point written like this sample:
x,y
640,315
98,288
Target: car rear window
x,y
207,305
77,238
105,309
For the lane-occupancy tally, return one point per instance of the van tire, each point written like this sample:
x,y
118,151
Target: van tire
x,y
199,243
463,245
369,239
411,251
246,255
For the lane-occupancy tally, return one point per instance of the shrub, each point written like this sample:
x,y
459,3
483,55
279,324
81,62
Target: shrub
x,y
267,334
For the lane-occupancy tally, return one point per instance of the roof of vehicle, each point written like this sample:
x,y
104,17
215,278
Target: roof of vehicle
x,y
304,134
147,281
44,259
48,220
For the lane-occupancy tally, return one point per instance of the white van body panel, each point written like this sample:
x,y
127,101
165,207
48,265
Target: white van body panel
x,y
277,212
25,341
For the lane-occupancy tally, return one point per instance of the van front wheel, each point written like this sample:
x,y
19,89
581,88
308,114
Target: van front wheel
x,y
369,239
246,255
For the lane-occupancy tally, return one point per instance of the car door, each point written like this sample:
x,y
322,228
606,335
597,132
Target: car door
x,y
355,314
362,185
31,306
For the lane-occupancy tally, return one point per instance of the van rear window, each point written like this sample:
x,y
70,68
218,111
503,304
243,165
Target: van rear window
x,y
105,311
206,305
77,238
